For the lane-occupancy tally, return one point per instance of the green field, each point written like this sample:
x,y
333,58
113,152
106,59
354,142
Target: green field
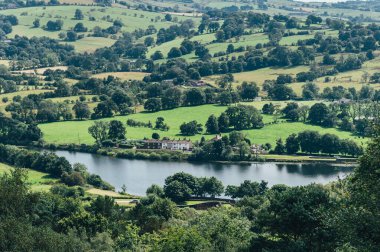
x,y
77,131
21,93
215,47
260,75
347,79
122,75
132,19
38,181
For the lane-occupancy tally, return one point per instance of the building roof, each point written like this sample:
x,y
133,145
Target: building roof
x,y
167,141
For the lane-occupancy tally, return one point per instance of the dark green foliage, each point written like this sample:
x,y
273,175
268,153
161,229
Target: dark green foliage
x,y
292,144
15,132
73,179
194,97
71,36
233,147
54,25
247,189
153,104
244,117
155,135
249,91
81,110
155,190
318,113
212,126
99,131
223,122
79,27
181,239
104,109
278,91
297,217
191,128
177,191
116,130
152,212
160,124
359,222
174,53
268,109
210,186
171,98
36,23
181,186
78,14
310,91
309,141
291,111
313,142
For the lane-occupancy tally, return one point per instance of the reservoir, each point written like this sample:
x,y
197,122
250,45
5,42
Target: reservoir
x,y
138,175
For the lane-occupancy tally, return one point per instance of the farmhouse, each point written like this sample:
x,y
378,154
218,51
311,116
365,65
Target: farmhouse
x,y
167,144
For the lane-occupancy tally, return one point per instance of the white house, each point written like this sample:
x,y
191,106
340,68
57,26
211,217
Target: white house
x,y
176,144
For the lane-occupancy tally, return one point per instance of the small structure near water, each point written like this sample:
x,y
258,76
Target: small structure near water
x,y
184,145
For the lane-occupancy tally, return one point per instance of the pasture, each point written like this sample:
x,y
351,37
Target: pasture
x,y
40,71
349,79
77,131
38,181
103,17
260,75
125,76
21,93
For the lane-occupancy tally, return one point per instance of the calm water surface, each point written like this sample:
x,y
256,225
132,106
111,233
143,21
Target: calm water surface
x,y
138,175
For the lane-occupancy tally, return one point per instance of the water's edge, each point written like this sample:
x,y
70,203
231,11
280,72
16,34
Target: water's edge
x,y
138,175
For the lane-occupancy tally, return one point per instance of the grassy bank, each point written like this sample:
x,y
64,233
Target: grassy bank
x,y
39,181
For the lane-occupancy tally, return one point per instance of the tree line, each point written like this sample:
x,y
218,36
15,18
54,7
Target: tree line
x,y
312,142
58,167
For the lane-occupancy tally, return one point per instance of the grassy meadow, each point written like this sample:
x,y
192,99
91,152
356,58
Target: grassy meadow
x,y
38,181
260,75
346,79
215,47
349,79
104,16
21,93
77,131
125,76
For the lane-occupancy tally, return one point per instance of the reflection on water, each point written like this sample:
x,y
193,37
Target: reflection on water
x,y
138,175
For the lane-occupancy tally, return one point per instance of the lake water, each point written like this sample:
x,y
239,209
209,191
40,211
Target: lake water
x,y
322,1
138,175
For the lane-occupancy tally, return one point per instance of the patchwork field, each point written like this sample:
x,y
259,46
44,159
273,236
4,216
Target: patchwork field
x,y
215,47
77,131
260,75
41,70
104,16
21,93
346,79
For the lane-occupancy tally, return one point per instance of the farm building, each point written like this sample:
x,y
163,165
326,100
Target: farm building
x,y
167,144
